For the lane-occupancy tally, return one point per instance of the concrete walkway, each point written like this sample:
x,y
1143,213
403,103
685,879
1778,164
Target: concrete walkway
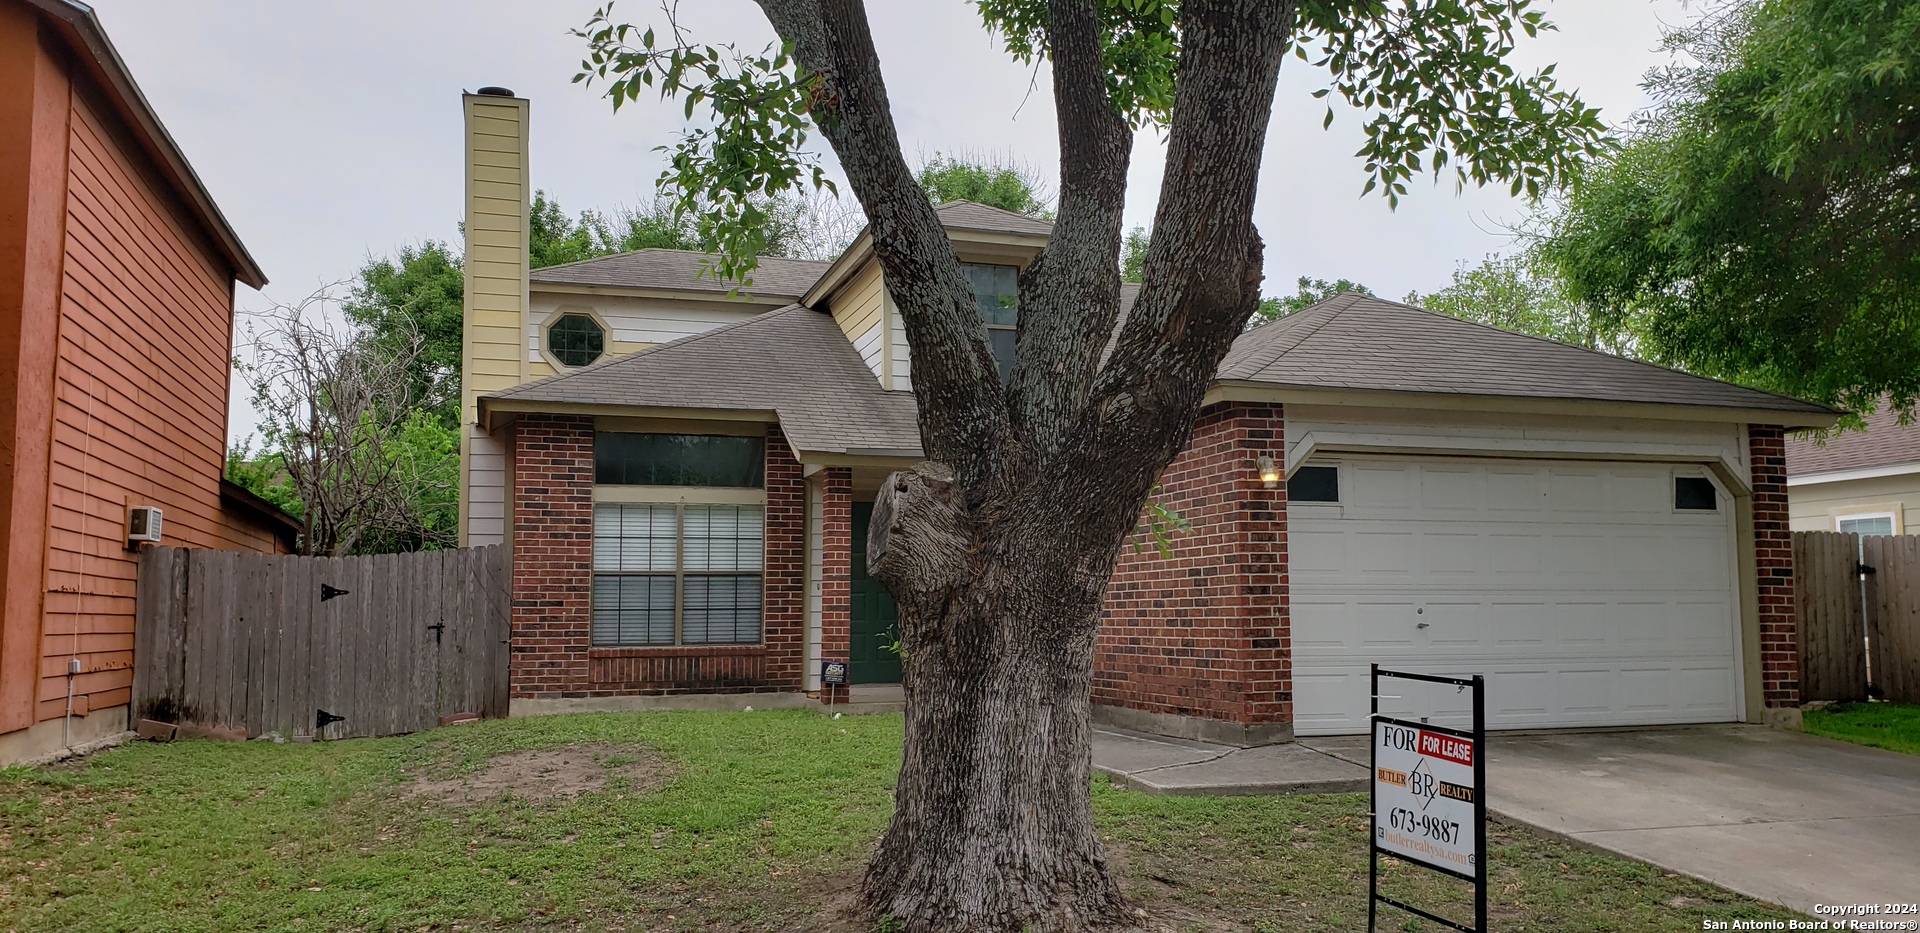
x,y
1159,765
1780,816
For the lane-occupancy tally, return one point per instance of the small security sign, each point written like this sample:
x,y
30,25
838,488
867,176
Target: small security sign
x,y
833,673
1429,798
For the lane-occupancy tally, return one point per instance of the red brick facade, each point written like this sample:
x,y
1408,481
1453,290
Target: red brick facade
x,y
1773,556
1202,632
552,652
836,571
552,555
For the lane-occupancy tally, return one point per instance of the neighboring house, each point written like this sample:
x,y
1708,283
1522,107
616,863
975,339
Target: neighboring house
x,y
1367,482
1859,481
117,279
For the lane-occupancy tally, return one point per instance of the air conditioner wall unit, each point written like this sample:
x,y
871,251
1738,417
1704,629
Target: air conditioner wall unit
x,y
143,524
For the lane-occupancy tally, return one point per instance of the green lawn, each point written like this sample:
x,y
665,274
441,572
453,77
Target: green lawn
x,y
735,821
1892,726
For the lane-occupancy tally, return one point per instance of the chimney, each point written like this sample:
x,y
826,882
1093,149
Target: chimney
x,y
493,345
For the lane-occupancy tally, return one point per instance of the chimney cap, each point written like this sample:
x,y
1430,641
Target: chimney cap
x,y
494,90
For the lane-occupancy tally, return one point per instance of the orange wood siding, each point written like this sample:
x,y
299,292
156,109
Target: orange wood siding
x,y
140,405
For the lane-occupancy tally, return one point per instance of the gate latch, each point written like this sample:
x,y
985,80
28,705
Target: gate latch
x,y
438,628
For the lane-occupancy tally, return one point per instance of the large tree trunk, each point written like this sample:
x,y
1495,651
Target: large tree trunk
x,y
994,823
999,549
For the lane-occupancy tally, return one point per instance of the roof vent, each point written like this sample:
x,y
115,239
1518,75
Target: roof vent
x,y
494,90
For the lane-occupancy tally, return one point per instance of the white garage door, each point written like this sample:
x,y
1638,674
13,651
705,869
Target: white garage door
x,y
1579,589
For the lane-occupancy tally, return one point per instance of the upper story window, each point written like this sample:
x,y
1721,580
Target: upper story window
x,y
622,459
576,339
997,289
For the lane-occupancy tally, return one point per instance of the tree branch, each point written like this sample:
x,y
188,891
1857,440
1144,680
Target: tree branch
x,y
1201,278
962,420
1070,293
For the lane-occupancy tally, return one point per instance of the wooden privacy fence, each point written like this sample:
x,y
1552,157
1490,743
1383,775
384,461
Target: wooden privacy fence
x,y
1859,612
390,643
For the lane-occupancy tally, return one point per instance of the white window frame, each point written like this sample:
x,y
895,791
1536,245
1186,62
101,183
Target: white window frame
x,y
681,497
1893,519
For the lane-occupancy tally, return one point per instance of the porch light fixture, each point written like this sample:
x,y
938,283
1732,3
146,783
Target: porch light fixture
x,y
1269,471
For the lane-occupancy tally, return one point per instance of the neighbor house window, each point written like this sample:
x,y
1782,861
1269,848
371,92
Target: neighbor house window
x,y
1695,493
682,572
1875,523
676,574
997,290
576,339
1314,484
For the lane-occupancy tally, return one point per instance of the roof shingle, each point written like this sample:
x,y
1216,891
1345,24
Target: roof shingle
x,y
1884,443
1355,341
681,270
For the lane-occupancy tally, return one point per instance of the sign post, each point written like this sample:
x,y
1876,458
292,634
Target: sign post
x,y
1428,799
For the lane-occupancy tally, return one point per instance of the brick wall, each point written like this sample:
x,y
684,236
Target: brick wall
x,y
553,655
552,555
1202,632
784,584
1773,554
836,572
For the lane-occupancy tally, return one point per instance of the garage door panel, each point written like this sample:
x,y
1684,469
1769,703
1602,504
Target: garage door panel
x,y
1577,588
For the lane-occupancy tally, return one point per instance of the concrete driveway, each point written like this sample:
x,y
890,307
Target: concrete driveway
x,y
1780,816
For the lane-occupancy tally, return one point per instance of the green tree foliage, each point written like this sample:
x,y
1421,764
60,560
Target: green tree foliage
x,y
417,292
1511,293
1760,222
996,182
1133,254
264,474
1308,291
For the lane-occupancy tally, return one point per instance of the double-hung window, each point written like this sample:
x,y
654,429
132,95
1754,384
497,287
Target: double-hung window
x,y
668,567
997,290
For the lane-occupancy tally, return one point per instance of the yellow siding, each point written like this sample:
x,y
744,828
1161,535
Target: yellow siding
x,y
1815,506
493,345
859,309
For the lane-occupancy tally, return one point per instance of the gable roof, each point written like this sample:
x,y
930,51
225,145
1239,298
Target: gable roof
x,y
1885,442
81,30
1359,342
983,218
681,270
794,363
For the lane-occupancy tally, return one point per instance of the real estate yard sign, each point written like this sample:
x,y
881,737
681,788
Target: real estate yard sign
x,y
1429,801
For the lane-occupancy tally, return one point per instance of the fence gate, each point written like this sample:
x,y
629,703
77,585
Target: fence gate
x,y
1827,589
390,643
1893,614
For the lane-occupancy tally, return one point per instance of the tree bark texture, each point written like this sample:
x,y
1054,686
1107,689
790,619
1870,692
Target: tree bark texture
x,y
999,549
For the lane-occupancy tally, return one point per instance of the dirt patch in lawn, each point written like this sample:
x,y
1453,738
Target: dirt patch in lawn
x,y
560,773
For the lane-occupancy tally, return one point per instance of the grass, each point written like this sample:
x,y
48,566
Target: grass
x,y
764,825
1892,726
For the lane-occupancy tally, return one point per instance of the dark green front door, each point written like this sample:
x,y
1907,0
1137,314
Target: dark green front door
x,y
874,615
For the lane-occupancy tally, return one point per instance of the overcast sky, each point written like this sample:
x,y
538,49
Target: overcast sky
x,y
329,132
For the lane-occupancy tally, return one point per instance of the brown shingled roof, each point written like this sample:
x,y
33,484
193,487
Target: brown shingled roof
x,y
982,218
1884,443
681,270
794,362
1358,342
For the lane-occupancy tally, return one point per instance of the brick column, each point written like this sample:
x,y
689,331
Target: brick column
x,y
1773,557
784,578
552,555
1201,633
836,572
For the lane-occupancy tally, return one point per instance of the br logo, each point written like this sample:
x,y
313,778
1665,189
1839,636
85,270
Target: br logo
x,y
1420,782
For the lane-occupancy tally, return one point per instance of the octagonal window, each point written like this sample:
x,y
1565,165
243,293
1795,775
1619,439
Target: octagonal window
x,y
576,339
